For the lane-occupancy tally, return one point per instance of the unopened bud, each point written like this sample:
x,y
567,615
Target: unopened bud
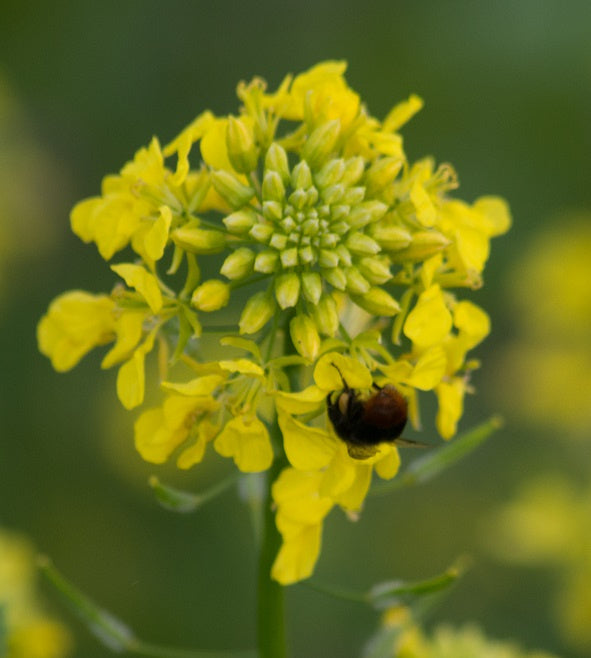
x,y
321,143
424,244
304,336
362,244
356,283
391,238
267,261
258,311
312,286
238,264
273,188
301,176
377,302
376,269
382,173
241,221
237,194
211,295
198,240
287,289
326,316
242,149
276,160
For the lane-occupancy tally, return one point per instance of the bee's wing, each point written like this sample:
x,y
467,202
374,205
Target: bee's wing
x,y
409,443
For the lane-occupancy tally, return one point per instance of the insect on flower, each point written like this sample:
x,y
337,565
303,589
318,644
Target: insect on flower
x,y
365,423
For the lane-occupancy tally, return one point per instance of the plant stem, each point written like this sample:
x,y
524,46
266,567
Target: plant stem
x,y
271,605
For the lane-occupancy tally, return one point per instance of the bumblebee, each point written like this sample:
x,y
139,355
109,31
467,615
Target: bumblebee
x,y
364,423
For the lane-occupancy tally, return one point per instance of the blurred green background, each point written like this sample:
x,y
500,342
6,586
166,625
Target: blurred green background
x,y
507,87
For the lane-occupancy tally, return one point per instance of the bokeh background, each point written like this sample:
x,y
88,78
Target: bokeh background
x,y
507,87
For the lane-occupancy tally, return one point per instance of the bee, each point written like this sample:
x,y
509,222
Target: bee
x,y
364,423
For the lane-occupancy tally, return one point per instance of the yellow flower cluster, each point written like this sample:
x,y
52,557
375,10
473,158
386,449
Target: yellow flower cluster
x,y
447,642
26,629
308,199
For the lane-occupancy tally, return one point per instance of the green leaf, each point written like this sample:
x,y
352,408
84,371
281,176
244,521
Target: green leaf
x,y
435,462
184,501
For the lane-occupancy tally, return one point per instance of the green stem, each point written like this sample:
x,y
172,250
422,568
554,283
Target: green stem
x,y
271,605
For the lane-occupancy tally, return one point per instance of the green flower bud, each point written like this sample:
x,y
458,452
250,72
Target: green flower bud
x,y
278,241
259,309
377,302
376,269
354,168
328,258
287,289
272,210
267,261
273,188
331,173
312,286
289,257
241,221
304,336
326,316
424,244
301,176
211,295
198,240
242,150
238,264
356,283
306,255
361,244
298,199
321,143
237,194
262,232
382,173
354,195
340,211
344,255
336,277
333,193
392,238
276,160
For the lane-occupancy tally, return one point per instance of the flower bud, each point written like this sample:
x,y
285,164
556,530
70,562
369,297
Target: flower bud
x,y
362,244
331,173
287,289
289,257
376,269
391,238
241,221
336,277
304,336
424,244
273,188
237,194
258,311
377,302
238,264
262,232
301,176
199,241
354,168
382,173
321,143
312,286
242,149
276,160
267,261
328,258
326,316
211,295
356,283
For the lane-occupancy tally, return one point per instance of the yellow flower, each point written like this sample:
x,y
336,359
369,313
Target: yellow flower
x,y
27,630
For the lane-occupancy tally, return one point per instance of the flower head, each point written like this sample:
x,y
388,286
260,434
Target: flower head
x,y
349,254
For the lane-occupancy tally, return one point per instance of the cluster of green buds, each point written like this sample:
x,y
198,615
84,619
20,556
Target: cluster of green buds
x,y
331,262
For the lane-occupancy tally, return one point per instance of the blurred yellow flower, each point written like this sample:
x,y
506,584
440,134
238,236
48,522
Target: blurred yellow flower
x,y
29,631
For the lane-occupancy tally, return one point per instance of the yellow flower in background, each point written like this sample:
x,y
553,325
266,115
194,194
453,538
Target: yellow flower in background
x,y
333,266
27,631
469,641
551,295
549,524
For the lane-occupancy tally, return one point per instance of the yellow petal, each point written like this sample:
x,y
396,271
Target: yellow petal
x,y
199,386
298,556
194,453
327,376
246,440
425,210
296,494
154,439
135,276
402,112
430,320
450,396
75,323
301,402
131,381
157,235
129,328
353,497
388,465
429,369
472,321
243,366
307,448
